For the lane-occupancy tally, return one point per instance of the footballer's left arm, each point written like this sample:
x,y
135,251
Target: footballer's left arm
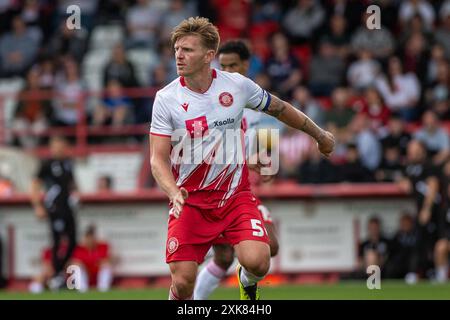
x,y
294,118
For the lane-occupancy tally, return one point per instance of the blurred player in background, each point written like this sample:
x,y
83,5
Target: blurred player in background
x,y
234,57
421,179
56,176
93,256
212,198
41,280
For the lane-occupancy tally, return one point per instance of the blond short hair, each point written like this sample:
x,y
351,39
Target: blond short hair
x,y
208,33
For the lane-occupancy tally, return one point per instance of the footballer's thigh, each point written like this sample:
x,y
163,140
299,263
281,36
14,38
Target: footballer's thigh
x,y
273,240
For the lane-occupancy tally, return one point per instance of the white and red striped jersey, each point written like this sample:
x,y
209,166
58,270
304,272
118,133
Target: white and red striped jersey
x,y
208,155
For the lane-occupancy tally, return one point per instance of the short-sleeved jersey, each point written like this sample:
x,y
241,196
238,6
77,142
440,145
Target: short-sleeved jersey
x,y
211,123
57,176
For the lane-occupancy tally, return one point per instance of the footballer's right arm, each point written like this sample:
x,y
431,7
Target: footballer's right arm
x,y
160,164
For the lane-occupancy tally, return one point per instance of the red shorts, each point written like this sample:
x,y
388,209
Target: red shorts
x,y
191,235
265,216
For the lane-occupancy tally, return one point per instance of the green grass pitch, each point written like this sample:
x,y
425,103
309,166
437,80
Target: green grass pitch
x,y
351,290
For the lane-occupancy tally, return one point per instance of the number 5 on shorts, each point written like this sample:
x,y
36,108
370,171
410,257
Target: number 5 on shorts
x,y
257,227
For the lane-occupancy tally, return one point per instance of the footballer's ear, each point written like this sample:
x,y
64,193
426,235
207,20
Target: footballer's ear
x,y
210,55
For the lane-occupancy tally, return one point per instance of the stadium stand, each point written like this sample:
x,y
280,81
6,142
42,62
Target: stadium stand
x,y
322,58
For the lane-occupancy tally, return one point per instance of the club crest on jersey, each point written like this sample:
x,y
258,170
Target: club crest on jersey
x,y
172,245
226,99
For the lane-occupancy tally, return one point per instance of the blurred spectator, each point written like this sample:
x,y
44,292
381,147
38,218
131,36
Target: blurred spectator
x,y
115,108
434,137
396,135
18,49
177,12
120,69
302,100
46,71
233,18
167,60
352,170
390,168
111,11
282,67
437,56
104,184
67,41
415,26
33,112
69,91
442,109
379,42
363,71
400,91
439,89
338,36
369,148
409,8
32,17
41,281
350,10
264,11
374,108
316,169
337,119
303,19
142,20
94,258
294,146
375,249
326,70
402,254
442,34
6,190
421,180
415,56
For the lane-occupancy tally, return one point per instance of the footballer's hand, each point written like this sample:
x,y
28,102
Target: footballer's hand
x,y
178,200
325,143
40,212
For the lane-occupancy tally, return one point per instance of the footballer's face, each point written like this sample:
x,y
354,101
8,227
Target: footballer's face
x,y
231,62
191,55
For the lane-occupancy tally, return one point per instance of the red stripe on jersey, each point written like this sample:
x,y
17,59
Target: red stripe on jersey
x,y
217,180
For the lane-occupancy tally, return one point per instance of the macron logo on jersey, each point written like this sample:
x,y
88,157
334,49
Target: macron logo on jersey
x,y
185,106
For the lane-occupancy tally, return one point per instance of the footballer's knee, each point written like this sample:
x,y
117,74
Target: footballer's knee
x,y
183,278
441,247
183,284
223,256
257,265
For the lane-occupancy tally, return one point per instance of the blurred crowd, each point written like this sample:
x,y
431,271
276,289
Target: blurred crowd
x,y
374,89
